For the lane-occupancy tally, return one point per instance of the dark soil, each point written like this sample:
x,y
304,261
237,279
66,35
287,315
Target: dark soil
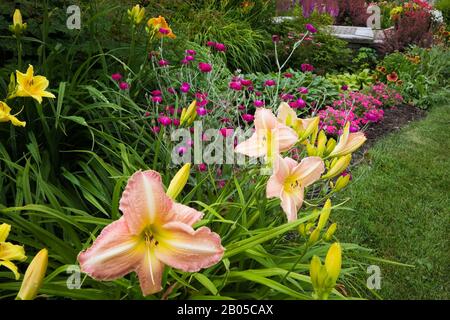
x,y
394,119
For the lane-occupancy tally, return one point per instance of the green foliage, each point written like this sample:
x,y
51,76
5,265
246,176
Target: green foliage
x,y
365,58
425,83
354,81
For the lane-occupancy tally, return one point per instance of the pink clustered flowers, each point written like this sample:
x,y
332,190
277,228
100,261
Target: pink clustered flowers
x,y
355,107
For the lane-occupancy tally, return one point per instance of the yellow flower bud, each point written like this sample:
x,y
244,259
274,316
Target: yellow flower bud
x,y
314,271
34,276
313,126
348,142
338,167
331,143
333,262
179,181
330,232
311,150
136,14
324,215
342,182
302,230
314,236
190,113
18,26
321,141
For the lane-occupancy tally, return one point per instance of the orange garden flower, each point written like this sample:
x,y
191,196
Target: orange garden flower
x,y
392,77
160,27
381,69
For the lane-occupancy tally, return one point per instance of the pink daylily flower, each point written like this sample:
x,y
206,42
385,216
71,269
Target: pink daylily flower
x,y
268,132
289,181
153,232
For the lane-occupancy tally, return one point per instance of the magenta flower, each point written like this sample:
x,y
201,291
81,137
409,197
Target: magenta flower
x,y
248,117
124,86
270,83
310,28
275,38
258,93
157,99
185,87
165,121
176,122
116,76
156,93
156,129
235,85
246,82
226,132
211,44
258,103
163,63
241,107
301,103
303,90
344,87
204,67
191,52
201,111
164,31
305,67
184,61
220,47
288,75
189,58
202,167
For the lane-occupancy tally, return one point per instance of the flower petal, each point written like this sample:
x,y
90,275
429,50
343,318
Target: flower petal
x,y
183,248
286,137
144,201
291,202
274,187
185,214
286,114
4,231
9,251
253,147
11,266
309,170
265,119
114,253
150,272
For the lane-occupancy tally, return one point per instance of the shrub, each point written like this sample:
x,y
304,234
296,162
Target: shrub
x,y
444,7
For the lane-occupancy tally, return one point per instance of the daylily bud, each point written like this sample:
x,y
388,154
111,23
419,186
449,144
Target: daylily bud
x,y
341,182
18,26
333,262
338,167
324,215
314,271
348,142
321,141
311,150
34,276
309,227
179,181
312,128
330,146
302,229
136,14
314,236
330,232
190,113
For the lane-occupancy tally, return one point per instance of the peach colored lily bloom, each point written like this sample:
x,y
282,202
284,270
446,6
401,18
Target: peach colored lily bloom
x,y
290,180
268,132
153,231
288,116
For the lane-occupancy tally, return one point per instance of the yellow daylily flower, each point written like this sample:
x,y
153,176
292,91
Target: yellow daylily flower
x,y
29,85
178,181
303,127
9,251
160,27
136,14
34,276
338,166
5,115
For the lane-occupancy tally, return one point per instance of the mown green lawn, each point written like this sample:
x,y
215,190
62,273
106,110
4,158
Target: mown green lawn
x,y
401,197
